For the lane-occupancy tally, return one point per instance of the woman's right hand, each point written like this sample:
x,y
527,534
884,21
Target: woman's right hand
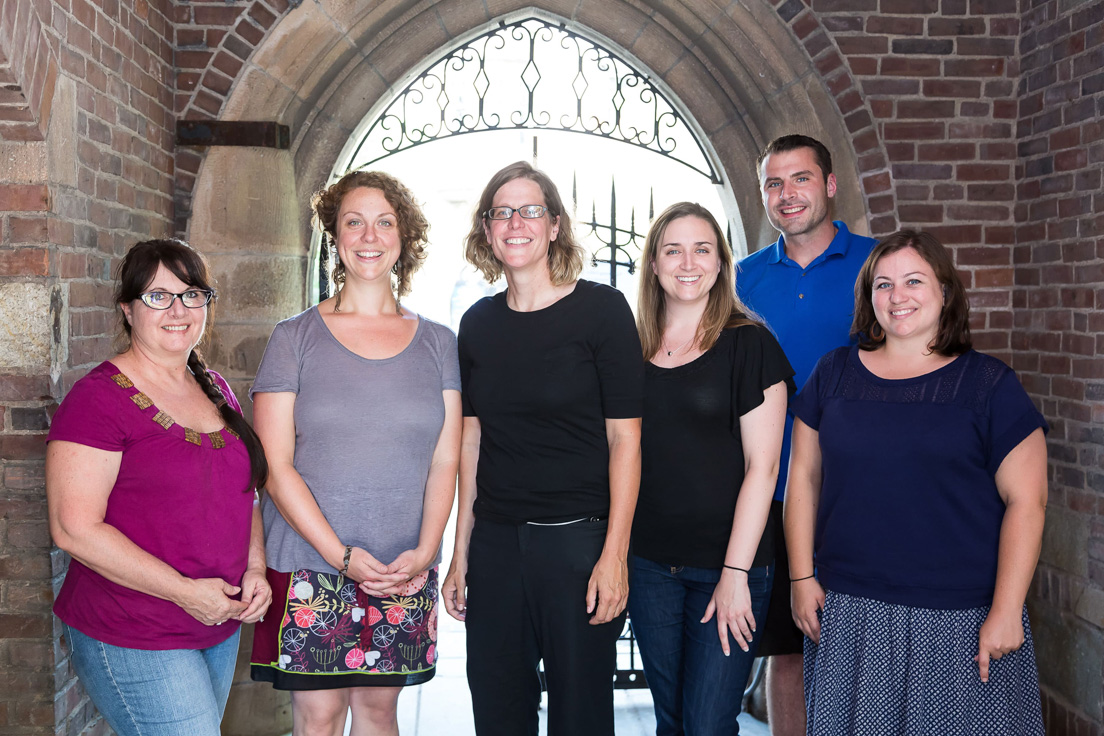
x,y
370,573
454,590
806,600
208,601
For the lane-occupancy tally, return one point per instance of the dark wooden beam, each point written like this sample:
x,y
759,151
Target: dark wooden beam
x,y
232,133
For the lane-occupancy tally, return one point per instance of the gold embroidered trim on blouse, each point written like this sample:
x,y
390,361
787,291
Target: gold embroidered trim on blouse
x,y
144,402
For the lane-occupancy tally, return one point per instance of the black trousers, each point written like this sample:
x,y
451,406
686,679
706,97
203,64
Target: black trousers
x,y
526,602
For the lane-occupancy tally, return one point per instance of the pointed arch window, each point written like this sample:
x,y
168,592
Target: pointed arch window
x,y
534,74
613,137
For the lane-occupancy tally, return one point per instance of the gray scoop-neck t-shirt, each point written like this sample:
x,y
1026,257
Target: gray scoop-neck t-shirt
x,y
365,432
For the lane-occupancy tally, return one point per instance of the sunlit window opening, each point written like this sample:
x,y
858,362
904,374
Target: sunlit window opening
x,y
619,147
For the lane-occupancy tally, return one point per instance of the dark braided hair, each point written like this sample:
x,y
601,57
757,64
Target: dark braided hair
x,y
135,273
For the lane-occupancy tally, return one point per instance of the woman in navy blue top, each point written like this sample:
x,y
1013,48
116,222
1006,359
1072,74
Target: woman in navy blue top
x,y
914,515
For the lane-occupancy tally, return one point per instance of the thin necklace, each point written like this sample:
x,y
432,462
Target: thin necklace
x,y
680,347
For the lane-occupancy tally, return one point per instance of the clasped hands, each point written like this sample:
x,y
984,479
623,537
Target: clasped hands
x,y
382,580
210,600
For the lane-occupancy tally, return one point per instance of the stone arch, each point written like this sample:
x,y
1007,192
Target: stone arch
x,y
742,73
746,72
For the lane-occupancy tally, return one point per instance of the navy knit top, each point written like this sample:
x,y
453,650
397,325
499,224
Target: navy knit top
x,y
909,511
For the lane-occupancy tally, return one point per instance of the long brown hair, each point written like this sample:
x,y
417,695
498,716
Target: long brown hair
x,y
135,273
953,334
413,225
723,310
565,255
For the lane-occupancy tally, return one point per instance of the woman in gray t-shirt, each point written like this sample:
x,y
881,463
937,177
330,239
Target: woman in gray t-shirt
x,y
357,403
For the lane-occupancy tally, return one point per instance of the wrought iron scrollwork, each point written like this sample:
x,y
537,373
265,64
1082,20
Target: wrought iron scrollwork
x,y
538,75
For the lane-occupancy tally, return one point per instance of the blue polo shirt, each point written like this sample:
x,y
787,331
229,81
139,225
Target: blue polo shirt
x,y
808,309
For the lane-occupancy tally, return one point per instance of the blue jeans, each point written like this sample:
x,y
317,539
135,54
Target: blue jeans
x,y
171,692
696,689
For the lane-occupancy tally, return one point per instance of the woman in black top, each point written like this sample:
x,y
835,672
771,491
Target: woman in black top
x,y
550,464
716,387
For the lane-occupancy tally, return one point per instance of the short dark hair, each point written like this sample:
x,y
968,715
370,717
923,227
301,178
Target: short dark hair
x,y
413,225
953,335
792,143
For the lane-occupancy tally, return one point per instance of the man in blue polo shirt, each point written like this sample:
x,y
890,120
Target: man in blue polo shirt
x,y
804,287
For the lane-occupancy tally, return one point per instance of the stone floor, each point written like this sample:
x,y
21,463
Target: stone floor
x,y
443,705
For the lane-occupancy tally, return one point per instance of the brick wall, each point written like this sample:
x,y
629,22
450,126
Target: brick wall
x,y
213,39
978,119
28,72
938,80
26,626
990,112
1058,336
99,179
990,115
119,57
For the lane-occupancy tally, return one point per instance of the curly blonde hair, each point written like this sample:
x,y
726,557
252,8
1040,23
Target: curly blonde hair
x,y
565,255
413,225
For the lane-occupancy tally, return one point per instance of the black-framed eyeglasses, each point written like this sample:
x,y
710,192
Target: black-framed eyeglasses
x,y
192,298
528,211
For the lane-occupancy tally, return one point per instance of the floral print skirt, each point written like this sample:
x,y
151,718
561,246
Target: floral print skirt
x,y
323,632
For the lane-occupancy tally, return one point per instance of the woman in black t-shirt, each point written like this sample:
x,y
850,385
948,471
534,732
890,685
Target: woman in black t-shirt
x,y
550,463
716,387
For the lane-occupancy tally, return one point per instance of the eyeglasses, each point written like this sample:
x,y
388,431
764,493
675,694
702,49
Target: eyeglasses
x,y
192,298
528,211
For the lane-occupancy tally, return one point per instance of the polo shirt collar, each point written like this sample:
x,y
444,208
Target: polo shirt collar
x,y
838,247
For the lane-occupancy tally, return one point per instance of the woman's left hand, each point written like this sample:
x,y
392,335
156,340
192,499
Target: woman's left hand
x,y
257,594
731,602
999,635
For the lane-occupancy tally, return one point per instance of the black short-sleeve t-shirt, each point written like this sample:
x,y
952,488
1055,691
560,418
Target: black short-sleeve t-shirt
x,y
542,384
692,452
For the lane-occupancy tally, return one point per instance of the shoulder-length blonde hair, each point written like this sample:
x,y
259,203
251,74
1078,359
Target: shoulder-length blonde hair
x,y
413,225
565,255
723,310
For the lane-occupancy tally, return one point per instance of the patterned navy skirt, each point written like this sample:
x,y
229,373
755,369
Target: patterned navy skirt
x,y
884,669
323,632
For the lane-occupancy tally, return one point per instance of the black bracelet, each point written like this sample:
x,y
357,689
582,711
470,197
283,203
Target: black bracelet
x,y
798,580
737,569
348,553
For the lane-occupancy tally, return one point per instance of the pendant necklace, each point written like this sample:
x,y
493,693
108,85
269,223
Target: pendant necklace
x,y
680,347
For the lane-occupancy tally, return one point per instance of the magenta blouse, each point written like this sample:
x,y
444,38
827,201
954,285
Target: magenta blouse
x,y
181,495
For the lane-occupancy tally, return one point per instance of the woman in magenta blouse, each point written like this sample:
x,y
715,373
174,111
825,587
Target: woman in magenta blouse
x,y
150,476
